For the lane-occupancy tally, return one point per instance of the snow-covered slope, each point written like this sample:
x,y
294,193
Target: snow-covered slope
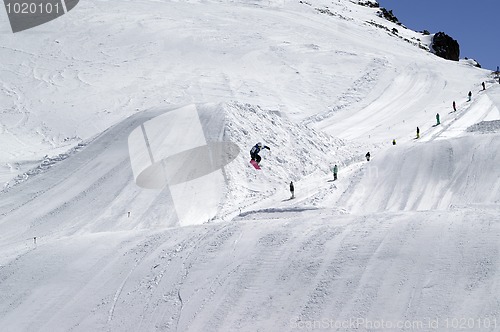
x,y
318,62
410,237
433,176
275,272
100,176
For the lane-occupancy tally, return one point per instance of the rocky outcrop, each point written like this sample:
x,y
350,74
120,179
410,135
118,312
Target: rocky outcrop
x,y
388,15
445,47
369,3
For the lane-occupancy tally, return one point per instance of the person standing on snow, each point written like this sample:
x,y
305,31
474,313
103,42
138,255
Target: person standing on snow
x,y
437,119
418,132
454,106
470,95
484,86
394,142
291,190
335,170
254,152
367,156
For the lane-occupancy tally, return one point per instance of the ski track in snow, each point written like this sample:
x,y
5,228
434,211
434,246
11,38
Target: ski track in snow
x,y
474,112
241,275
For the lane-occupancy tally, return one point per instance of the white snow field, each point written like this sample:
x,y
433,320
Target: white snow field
x,y
407,241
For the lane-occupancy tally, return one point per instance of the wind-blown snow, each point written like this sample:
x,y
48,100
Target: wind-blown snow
x,y
412,236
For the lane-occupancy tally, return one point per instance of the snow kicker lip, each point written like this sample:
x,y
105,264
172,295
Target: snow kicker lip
x,y
27,14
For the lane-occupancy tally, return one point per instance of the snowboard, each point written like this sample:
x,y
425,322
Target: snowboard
x,y
254,164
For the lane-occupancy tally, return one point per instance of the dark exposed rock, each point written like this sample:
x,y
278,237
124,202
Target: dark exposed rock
x,y
426,32
445,47
388,15
369,3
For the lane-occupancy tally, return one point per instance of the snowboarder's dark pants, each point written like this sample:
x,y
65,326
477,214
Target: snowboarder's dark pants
x,y
256,157
334,176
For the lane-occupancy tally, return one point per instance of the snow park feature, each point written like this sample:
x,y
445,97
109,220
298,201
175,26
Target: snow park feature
x,y
128,202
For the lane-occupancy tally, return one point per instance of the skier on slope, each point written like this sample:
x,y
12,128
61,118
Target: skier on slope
x,y
254,152
437,119
484,86
367,155
454,106
292,190
418,132
335,171
470,95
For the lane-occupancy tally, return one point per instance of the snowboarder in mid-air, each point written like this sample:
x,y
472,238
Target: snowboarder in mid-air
x,y
254,153
291,190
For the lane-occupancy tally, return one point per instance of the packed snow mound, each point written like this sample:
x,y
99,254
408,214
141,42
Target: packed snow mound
x,y
55,199
91,190
297,151
437,175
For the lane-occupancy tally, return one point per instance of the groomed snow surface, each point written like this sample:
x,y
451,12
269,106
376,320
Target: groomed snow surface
x,y
409,240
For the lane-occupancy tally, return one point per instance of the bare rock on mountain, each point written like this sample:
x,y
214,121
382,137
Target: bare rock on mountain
x,y
445,47
388,15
